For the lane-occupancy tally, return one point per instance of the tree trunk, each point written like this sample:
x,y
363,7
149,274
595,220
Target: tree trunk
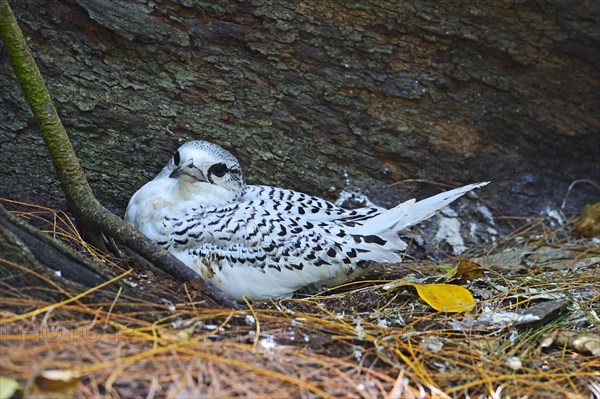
x,y
316,96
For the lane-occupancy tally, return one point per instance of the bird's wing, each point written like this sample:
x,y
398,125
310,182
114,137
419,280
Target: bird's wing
x,y
269,233
257,248
313,208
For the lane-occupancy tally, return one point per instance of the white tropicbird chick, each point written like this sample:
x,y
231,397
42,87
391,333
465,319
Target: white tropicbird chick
x,y
265,242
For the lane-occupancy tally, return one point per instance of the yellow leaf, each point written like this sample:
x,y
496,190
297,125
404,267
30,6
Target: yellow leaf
x,y
177,335
446,297
10,388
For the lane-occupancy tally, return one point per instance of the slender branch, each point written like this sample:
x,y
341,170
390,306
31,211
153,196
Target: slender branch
x,y
68,169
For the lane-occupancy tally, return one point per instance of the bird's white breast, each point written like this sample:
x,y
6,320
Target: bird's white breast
x,y
161,200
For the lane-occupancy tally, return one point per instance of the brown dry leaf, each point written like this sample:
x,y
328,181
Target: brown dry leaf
x,y
446,297
588,224
467,269
55,384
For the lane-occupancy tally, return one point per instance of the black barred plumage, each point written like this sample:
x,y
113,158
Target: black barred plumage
x,y
260,241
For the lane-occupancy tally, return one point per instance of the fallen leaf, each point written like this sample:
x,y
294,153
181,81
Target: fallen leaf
x,y
177,335
56,384
467,269
588,224
446,297
10,388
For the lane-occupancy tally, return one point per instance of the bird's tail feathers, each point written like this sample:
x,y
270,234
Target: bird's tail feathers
x,y
412,212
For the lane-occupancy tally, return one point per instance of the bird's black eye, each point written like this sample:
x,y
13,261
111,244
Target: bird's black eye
x,y
218,169
176,158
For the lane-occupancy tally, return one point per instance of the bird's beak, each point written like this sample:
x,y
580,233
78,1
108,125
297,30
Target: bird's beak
x,y
186,171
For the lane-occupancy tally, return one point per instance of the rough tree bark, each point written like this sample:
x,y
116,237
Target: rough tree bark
x,y
308,93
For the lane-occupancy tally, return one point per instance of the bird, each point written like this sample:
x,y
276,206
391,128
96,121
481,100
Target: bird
x,y
260,242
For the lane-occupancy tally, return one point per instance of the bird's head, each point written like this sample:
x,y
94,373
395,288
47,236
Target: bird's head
x,y
201,161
